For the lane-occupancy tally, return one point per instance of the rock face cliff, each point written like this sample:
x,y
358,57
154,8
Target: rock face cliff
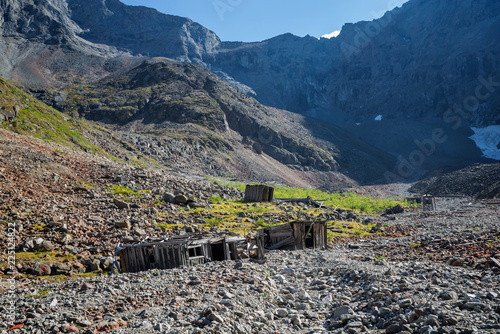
x,y
428,65
55,42
415,61
142,30
40,46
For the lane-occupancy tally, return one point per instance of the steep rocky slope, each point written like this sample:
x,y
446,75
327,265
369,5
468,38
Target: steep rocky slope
x,y
40,46
479,181
23,114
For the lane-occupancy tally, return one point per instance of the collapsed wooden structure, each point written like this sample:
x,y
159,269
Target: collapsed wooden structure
x,y
294,235
258,193
186,251
177,251
428,203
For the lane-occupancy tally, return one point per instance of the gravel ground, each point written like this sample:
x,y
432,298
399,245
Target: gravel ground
x,y
344,289
433,272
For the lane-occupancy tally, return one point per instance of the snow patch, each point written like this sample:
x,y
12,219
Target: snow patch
x,y
487,139
379,118
332,35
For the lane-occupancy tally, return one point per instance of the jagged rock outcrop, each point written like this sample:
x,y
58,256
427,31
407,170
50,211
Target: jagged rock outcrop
x,y
161,95
478,181
40,46
143,30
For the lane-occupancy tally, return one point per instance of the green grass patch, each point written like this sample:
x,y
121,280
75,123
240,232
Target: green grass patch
x,y
346,201
127,193
51,125
121,190
215,199
214,222
40,294
349,229
262,223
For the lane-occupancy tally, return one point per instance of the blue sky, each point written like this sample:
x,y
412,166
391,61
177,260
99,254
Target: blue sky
x,y
256,20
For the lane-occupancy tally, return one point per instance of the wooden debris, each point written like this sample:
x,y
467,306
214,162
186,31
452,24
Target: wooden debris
x,y
495,261
186,251
428,203
308,201
258,193
296,235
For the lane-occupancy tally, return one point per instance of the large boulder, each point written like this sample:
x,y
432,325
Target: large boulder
x,y
123,224
395,210
121,204
41,269
61,268
180,199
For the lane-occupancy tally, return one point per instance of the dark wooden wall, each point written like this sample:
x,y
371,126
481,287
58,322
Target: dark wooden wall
x,y
258,193
166,255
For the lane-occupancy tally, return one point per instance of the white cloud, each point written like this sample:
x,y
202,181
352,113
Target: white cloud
x,y
379,118
332,35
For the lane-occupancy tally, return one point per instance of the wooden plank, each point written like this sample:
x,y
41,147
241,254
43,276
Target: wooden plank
x,y
260,247
325,234
173,257
182,253
168,259
265,194
309,230
282,234
135,266
318,236
495,261
133,260
161,252
282,243
156,254
124,260
234,252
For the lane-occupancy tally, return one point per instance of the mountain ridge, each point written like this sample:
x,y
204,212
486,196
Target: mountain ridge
x,y
161,95
408,70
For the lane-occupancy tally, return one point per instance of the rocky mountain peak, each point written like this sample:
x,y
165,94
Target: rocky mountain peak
x,y
47,21
142,30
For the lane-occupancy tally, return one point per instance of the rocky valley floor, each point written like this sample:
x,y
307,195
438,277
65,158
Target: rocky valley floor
x,y
426,273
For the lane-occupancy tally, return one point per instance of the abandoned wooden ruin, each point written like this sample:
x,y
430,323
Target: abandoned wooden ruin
x,y
197,249
294,235
186,251
258,193
428,203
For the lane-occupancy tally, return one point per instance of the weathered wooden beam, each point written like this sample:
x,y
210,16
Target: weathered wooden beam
x,y
280,244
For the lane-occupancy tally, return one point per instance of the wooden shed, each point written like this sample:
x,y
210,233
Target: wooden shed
x,y
258,193
428,203
295,235
186,251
